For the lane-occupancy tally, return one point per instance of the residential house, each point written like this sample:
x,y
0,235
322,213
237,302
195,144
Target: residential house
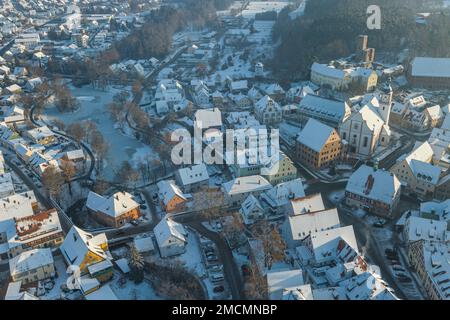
x,y
416,171
298,227
32,266
306,204
114,211
171,197
268,111
318,145
251,210
279,197
41,135
41,230
430,259
83,249
279,169
237,190
171,237
192,178
375,191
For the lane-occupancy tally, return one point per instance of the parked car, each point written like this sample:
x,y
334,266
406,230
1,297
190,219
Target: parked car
x,y
217,277
246,271
217,268
405,279
218,289
134,222
397,267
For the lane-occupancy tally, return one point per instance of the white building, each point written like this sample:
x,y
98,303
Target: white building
x,y
297,228
376,191
171,237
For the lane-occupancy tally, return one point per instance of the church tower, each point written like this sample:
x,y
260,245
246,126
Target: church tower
x,y
386,96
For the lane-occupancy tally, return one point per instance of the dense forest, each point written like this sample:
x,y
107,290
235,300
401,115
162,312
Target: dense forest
x,y
329,28
154,39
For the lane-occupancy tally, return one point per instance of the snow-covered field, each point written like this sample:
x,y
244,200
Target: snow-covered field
x,y
256,7
132,291
93,107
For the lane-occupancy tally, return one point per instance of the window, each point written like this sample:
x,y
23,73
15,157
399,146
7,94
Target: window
x,y
366,141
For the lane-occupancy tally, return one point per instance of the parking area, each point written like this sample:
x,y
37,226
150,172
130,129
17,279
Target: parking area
x,y
214,268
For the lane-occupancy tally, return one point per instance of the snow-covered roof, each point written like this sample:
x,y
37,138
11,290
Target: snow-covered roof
x,y
104,293
430,67
442,209
208,118
17,206
279,280
266,102
34,227
168,189
6,184
40,133
194,174
282,193
311,203
250,203
425,229
114,206
166,229
425,171
123,265
378,185
328,71
143,244
315,134
435,112
75,154
333,110
246,184
422,152
437,266
78,243
30,260
326,244
306,224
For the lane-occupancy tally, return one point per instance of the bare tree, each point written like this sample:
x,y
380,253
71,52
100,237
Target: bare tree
x,y
273,244
255,285
77,132
100,147
127,173
234,228
68,171
52,180
101,186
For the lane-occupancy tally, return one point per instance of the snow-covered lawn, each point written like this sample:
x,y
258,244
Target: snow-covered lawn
x,y
61,271
93,107
262,6
132,291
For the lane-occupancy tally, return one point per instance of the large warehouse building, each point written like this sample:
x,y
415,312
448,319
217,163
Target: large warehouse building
x,y
433,73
